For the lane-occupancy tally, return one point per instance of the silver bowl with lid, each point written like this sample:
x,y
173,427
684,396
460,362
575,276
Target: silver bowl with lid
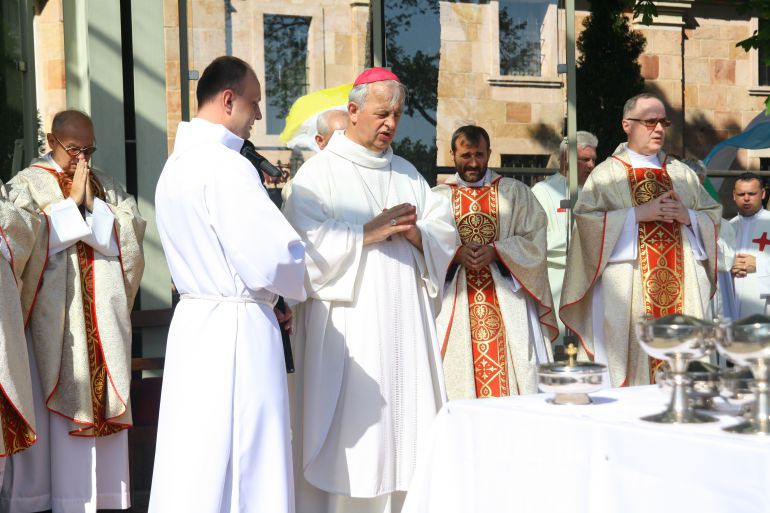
x,y
571,382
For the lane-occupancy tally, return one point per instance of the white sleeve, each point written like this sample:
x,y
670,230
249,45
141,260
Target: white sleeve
x,y
101,223
67,226
625,249
763,274
693,235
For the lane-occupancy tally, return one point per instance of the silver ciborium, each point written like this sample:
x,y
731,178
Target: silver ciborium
x,y
570,381
747,343
677,339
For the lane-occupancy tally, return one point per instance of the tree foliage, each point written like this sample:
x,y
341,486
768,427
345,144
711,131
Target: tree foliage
x,y
419,70
608,72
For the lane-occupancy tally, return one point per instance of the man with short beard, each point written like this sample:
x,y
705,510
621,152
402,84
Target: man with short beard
x,y
79,285
378,246
644,243
497,318
751,270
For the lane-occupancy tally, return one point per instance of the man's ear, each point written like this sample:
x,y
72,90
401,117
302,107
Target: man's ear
x,y
51,141
353,112
318,139
626,125
227,100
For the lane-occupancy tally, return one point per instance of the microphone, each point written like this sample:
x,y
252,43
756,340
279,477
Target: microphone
x,y
258,161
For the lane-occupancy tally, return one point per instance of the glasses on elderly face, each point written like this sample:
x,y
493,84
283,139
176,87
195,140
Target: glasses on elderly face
x,y
653,122
74,151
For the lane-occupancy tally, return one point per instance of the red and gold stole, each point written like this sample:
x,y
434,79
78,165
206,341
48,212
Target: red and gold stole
x,y
661,256
98,370
475,211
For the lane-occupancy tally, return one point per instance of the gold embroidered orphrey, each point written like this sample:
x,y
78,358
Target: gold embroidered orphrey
x,y
476,215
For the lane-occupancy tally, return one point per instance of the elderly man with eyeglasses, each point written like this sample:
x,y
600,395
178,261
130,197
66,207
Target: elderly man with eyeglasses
x,y
643,243
78,287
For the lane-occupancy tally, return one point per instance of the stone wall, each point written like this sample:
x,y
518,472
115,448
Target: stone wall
x,y
49,62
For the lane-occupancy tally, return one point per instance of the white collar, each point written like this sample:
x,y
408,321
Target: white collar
x,y
639,160
481,183
197,131
344,147
748,219
48,157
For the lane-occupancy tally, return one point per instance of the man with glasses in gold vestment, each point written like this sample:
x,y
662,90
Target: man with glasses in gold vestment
x,y
643,243
78,288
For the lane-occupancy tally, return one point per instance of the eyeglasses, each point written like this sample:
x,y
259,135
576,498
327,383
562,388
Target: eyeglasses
x,y
74,151
653,122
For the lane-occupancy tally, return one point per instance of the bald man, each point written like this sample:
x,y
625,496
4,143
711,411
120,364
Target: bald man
x,y
329,122
78,289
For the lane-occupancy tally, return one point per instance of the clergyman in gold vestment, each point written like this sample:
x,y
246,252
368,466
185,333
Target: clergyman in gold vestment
x,y
643,243
497,317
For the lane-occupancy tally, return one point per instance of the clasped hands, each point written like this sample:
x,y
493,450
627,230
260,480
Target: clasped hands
x,y
81,191
667,208
744,265
401,219
475,257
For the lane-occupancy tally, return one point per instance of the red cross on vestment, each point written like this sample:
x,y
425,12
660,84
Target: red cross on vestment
x,y
762,241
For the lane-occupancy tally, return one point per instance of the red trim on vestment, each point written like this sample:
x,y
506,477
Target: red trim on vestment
x,y
10,252
590,286
451,316
548,310
29,426
42,271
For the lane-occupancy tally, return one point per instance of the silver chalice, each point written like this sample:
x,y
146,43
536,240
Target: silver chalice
x,y
677,339
747,343
570,381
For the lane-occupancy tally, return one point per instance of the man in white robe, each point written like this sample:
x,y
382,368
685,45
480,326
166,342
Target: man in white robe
x,y
497,310
751,270
78,288
18,224
223,434
550,193
328,122
644,243
378,246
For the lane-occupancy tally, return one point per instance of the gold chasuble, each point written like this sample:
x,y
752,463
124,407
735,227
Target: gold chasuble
x,y
661,257
101,425
674,269
475,211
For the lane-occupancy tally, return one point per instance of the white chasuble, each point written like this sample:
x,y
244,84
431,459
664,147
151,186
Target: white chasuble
x,y
752,237
223,433
370,381
493,321
78,289
603,294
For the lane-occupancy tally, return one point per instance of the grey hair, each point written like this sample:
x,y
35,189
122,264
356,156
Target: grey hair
x,y
631,102
322,123
584,139
359,93
696,165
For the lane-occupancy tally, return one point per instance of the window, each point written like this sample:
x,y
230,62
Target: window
x,y
520,29
763,67
285,66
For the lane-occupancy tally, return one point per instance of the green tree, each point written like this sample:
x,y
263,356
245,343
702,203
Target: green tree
x,y
607,72
422,156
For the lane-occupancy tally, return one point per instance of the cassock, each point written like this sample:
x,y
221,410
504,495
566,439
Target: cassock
x,y
223,434
752,237
619,270
549,194
371,380
78,288
18,224
493,321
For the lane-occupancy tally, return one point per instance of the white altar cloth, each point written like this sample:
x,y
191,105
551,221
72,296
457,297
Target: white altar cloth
x,y
524,455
